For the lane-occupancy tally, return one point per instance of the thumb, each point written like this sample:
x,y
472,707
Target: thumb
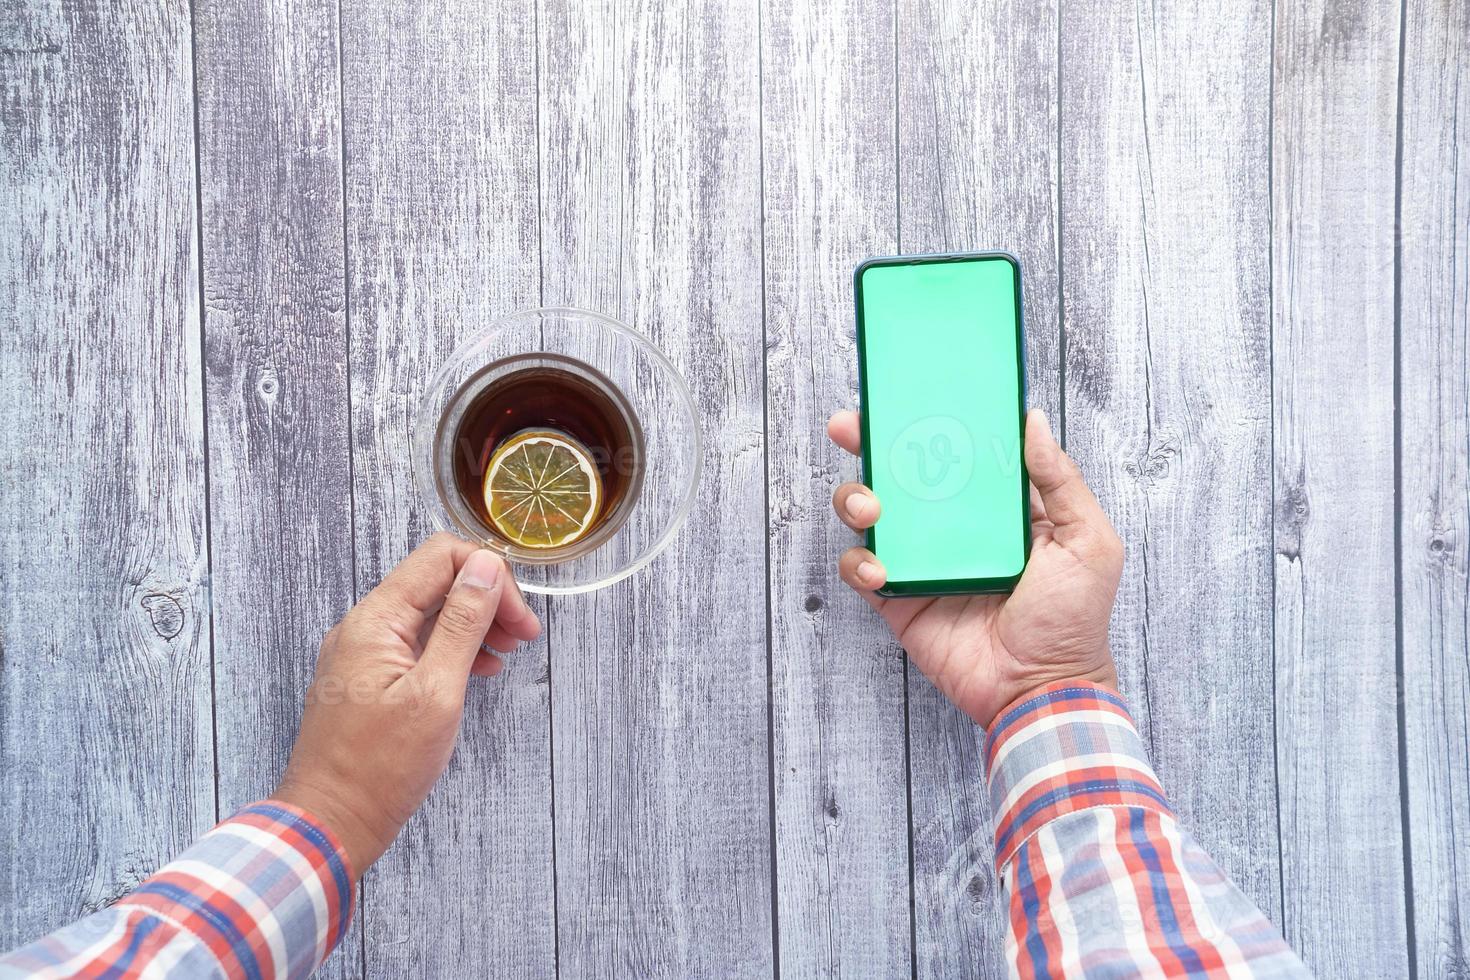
x,y
1064,492
468,611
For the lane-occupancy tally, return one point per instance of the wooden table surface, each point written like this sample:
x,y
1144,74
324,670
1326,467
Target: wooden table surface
x,y
235,238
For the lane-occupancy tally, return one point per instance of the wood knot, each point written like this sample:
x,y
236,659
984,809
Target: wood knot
x,y
1441,545
831,809
1292,513
813,603
1153,465
268,386
133,873
165,614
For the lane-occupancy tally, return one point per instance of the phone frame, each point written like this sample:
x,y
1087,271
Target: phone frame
x,y
939,587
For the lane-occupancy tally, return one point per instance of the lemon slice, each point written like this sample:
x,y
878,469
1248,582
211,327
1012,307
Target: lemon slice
x,y
542,489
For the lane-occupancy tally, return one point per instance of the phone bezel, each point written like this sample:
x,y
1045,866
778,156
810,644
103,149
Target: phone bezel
x,y
937,587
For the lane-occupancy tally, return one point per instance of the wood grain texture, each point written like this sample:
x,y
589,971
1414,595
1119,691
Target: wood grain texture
x,y
977,165
651,212
1165,139
1434,453
439,118
105,760
1342,861
275,355
1203,198
842,845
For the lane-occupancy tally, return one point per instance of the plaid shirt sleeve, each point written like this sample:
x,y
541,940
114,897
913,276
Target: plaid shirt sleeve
x,y
267,893
1100,878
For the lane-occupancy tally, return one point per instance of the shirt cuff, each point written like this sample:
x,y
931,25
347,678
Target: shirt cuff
x,y
268,892
1062,748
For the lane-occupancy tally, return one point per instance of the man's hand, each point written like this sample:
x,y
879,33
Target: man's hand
x,y
984,651
383,713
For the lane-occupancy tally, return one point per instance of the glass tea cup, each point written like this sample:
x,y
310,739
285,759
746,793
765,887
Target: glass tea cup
x,y
587,406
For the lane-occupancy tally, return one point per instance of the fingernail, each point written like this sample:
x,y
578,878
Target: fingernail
x,y
867,571
480,571
858,507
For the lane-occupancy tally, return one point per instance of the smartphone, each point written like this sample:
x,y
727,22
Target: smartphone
x,y
942,378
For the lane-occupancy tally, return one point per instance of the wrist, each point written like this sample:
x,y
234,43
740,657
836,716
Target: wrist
x,y
362,843
1102,674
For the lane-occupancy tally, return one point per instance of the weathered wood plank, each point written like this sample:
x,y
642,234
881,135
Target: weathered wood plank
x,y
650,157
1342,861
842,843
1166,296
439,117
275,353
977,166
1434,453
106,768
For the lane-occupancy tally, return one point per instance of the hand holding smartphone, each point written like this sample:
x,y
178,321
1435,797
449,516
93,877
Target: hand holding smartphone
x,y
941,366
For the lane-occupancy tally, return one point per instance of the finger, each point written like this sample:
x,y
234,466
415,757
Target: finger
x,y
856,505
1064,493
862,570
498,639
486,665
1038,506
845,428
516,615
465,619
414,590
847,569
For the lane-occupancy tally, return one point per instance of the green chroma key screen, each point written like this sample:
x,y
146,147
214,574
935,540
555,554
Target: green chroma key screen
x,y
940,357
